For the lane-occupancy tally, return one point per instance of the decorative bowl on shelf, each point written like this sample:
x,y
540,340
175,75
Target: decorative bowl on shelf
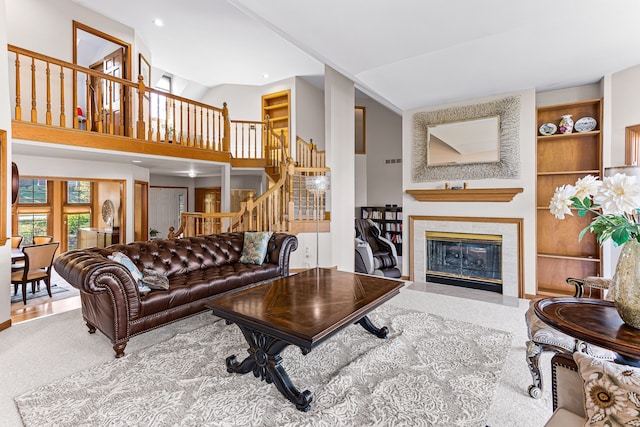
x,y
585,124
548,129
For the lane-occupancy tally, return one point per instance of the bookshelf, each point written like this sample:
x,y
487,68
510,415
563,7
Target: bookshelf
x,y
562,159
389,220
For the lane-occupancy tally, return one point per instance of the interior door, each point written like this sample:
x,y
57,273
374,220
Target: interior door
x,y
106,100
140,210
165,208
208,199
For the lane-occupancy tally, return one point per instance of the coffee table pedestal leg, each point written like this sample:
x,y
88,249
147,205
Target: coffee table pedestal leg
x,y
366,323
265,362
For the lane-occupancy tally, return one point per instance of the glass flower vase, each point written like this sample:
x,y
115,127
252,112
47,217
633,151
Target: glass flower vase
x,y
626,283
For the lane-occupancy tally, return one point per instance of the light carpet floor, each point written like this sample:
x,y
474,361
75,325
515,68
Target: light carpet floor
x,y
40,352
429,371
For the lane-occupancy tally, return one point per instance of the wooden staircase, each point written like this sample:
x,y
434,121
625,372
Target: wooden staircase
x,y
287,206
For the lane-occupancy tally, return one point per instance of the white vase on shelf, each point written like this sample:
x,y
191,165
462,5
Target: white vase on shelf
x,y
566,124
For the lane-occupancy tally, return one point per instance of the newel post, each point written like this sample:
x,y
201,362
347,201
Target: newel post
x,y
250,206
226,137
140,126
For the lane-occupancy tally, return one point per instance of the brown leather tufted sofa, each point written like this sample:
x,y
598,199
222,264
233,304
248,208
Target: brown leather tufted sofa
x,y
197,267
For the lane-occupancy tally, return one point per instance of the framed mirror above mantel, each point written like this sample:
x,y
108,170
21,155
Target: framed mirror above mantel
x,y
497,156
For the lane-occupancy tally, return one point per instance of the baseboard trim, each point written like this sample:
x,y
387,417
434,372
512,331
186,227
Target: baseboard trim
x,y
5,325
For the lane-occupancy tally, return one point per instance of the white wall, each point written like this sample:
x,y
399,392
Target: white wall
x,y
523,205
361,177
33,22
176,181
5,124
625,109
309,113
383,132
244,101
63,168
622,109
571,94
340,139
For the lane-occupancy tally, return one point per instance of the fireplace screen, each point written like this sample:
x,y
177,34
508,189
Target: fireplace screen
x,y
473,260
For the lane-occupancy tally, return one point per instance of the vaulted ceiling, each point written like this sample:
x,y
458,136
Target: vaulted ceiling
x,y
405,53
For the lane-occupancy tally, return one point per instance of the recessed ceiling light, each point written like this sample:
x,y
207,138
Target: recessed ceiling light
x,y
265,75
158,22
192,174
136,161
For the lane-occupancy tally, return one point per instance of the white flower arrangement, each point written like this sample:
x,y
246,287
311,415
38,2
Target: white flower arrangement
x,y
615,202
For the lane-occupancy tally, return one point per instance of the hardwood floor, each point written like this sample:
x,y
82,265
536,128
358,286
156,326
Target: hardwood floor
x,y
43,306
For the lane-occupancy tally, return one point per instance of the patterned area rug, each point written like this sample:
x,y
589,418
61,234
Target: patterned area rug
x,y
429,371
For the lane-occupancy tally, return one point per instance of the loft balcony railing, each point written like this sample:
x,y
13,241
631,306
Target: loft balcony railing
x,y
55,93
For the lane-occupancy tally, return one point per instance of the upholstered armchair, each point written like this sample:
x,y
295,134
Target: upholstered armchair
x,y
588,391
374,254
543,337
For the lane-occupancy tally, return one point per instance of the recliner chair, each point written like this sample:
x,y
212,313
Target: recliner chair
x,y
374,254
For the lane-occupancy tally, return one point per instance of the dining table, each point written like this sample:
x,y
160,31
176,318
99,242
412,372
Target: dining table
x,y
16,255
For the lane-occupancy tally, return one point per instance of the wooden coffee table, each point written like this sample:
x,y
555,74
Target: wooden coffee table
x,y
303,310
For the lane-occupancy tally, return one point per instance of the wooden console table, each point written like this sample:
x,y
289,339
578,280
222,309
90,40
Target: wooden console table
x,y
594,321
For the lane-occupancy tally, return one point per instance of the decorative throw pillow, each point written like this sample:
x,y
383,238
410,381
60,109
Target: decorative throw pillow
x,y
154,279
254,247
126,261
611,391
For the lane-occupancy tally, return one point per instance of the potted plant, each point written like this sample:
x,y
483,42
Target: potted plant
x,y
153,232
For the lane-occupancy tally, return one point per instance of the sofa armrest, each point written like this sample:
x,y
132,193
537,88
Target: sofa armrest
x,y
96,275
279,250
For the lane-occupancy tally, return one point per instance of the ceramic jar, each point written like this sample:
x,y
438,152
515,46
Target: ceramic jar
x,y
626,284
566,124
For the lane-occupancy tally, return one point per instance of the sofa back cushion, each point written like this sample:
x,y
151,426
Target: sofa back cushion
x,y
179,256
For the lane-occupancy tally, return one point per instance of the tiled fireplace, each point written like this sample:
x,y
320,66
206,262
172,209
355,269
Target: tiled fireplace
x,y
481,253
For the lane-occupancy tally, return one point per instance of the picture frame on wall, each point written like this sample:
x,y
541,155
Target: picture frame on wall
x,y
144,69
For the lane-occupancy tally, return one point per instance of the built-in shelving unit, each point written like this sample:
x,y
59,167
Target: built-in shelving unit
x,y
563,159
389,220
276,106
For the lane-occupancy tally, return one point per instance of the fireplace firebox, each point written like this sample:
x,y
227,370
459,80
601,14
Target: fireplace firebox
x,y
464,259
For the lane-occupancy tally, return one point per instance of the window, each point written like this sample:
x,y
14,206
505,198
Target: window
x,y
160,118
30,225
77,210
181,204
74,222
32,191
164,84
78,192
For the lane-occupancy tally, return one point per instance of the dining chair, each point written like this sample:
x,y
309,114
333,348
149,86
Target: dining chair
x,y
15,241
38,260
15,244
40,240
